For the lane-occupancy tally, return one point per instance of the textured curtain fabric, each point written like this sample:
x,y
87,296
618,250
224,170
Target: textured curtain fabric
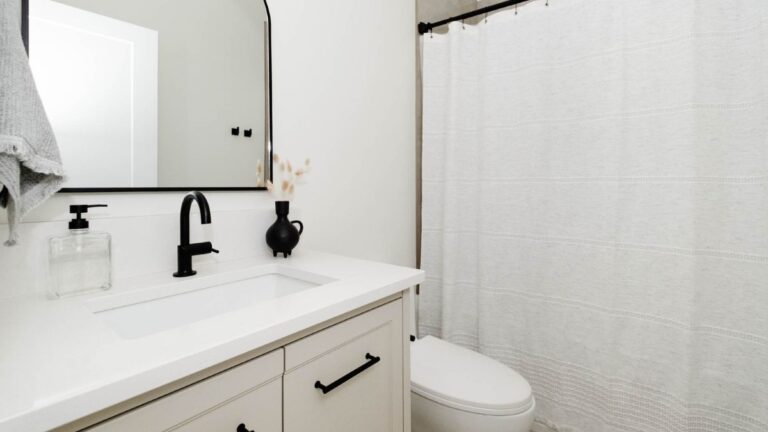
x,y
595,179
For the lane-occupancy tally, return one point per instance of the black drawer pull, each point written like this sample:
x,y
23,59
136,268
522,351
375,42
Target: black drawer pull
x,y
241,428
372,360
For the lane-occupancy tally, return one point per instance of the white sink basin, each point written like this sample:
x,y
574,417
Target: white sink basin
x,y
137,314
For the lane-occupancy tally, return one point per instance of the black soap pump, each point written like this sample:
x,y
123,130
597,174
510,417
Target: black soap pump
x,y
79,222
81,260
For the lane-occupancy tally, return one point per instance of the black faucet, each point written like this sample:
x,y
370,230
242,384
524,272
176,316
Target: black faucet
x,y
186,251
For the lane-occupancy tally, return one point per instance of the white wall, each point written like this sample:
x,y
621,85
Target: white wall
x,y
344,96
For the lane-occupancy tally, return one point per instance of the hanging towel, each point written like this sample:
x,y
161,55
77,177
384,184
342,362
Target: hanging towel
x,y
30,164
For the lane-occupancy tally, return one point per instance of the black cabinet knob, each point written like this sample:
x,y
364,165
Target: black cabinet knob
x,y
241,428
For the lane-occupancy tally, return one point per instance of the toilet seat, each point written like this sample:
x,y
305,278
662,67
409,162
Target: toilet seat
x,y
465,380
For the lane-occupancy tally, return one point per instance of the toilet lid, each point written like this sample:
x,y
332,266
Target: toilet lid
x,y
466,380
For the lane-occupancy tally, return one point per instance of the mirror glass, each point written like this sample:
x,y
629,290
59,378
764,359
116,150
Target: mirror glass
x,y
155,93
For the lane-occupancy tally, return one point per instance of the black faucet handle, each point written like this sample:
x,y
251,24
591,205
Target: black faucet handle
x,y
199,248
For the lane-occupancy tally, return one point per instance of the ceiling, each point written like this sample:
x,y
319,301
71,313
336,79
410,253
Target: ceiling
x,y
435,10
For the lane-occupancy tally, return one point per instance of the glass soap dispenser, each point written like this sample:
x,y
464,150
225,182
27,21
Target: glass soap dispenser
x,y
81,260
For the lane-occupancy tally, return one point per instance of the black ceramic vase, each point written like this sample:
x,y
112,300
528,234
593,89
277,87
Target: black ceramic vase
x,y
283,236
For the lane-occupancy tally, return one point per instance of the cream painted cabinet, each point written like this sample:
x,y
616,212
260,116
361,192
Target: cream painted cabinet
x,y
347,378
257,411
249,394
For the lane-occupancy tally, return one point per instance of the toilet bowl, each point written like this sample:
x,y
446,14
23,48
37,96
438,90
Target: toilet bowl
x,y
454,389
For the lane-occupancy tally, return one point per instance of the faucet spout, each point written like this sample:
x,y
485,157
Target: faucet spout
x,y
186,204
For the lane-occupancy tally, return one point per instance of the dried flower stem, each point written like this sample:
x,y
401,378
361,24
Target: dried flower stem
x,y
286,177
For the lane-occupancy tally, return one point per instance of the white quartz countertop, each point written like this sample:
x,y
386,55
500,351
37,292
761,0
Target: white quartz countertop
x,y
60,362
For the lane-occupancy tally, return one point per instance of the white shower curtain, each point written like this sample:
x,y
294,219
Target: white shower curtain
x,y
595,214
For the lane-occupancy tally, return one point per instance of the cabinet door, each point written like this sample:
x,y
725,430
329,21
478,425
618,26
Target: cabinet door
x,y
349,377
249,394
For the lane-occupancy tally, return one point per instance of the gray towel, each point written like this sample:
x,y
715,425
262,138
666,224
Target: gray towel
x,y
30,164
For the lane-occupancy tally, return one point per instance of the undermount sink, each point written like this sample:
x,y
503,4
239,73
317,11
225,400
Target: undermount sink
x,y
152,310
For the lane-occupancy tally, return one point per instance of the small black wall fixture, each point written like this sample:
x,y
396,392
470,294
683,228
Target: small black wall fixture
x,y
247,133
236,131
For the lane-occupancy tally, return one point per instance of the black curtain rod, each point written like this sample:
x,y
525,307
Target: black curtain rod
x,y
427,27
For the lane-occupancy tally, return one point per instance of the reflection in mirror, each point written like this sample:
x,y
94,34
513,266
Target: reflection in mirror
x,y
148,93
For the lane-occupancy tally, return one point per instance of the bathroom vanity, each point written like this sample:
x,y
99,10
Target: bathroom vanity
x,y
315,343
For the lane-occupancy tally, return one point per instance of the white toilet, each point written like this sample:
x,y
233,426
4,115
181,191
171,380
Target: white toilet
x,y
454,389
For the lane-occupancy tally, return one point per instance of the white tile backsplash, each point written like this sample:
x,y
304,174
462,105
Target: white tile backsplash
x,y
145,233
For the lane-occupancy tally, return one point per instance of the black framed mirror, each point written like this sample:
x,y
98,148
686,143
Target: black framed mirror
x,y
148,96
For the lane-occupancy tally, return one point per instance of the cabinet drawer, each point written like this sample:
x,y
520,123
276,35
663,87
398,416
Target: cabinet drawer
x,y
260,410
349,377
249,394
